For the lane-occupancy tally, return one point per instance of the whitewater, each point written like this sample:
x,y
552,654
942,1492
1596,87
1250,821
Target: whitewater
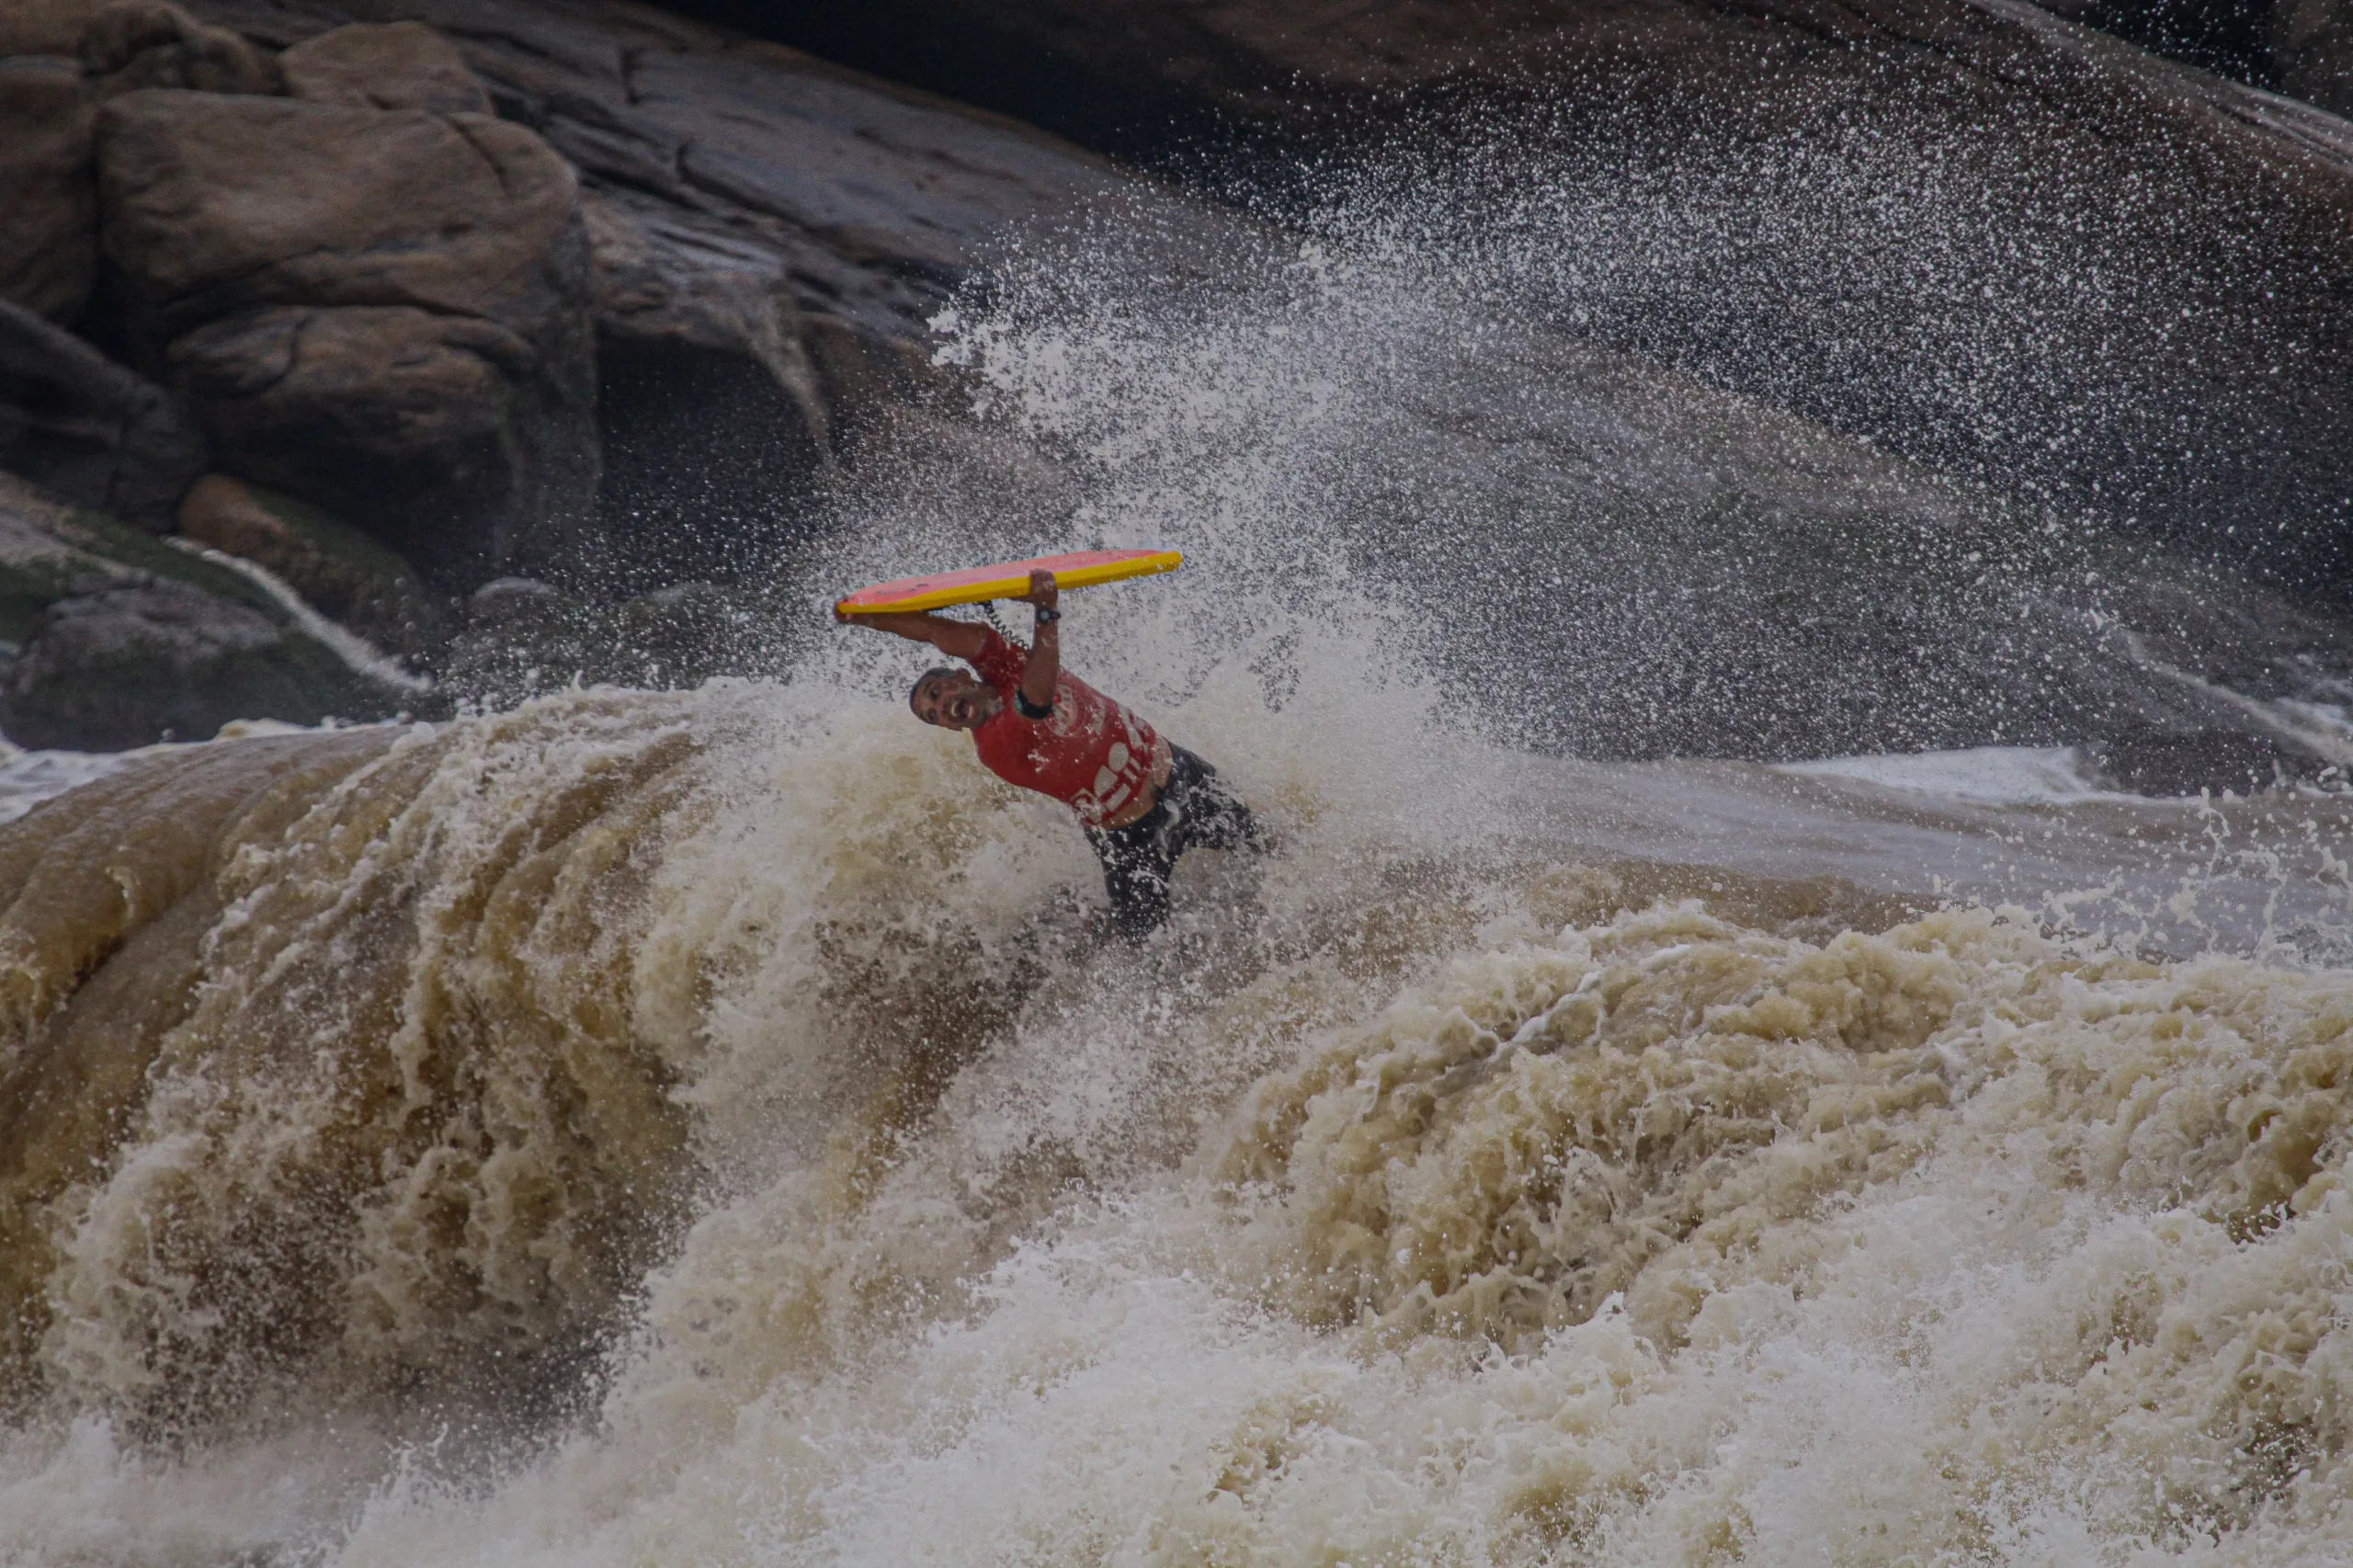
x,y
700,1127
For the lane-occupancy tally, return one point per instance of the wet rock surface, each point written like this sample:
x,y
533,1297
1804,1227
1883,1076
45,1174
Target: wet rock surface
x,y
116,640
339,569
93,431
123,662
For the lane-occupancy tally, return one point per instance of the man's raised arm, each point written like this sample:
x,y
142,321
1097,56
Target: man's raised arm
x,y
956,638
1045,665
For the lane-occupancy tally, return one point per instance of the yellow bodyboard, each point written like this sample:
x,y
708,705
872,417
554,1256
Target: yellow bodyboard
x,y
1007,580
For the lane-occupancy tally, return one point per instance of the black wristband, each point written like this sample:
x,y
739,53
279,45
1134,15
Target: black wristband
x,y
1030,711
1047,616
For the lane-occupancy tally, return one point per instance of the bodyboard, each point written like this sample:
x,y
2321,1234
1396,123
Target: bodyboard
x,y
1007,580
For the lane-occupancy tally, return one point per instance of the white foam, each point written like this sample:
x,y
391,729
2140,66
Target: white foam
x,y
28,777
358,654
2000,776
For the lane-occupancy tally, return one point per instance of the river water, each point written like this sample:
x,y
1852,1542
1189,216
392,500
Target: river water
x,y
703,1128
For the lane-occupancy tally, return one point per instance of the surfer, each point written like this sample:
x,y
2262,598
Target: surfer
x,y
1142,801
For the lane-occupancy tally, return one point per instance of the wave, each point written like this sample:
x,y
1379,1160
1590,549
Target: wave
x,y
723,1079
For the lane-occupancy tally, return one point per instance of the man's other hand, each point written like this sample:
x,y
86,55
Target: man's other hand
x,y
1044,591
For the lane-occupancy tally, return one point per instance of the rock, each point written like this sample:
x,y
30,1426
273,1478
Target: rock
x,y
130,660
524,637
849,195
46,27
58,60
400,65
374,409
2311,50
2150,760
216,203
87,429
384,311
683,280
339,571
39,558
770,236
49,203
119,640
131,44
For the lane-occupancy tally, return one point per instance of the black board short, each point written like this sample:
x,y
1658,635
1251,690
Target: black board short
x,y
1196,807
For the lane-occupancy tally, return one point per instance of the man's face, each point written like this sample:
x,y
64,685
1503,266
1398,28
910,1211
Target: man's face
x,y
954,701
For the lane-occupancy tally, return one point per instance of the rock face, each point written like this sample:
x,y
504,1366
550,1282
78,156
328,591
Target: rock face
x,y
586,292
115,640
404,65
769,235
46,186
2311,48
339,572
390,249
386,310
2220,420
425,277
125,661
129,44
84,427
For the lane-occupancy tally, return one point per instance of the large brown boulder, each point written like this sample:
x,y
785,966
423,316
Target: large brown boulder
x,y
215,203
384,311
59,59
399,65
49,251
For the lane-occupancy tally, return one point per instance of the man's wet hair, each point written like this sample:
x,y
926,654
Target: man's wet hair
x,y
916,689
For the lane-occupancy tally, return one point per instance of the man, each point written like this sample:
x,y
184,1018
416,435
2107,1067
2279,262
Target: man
x,y
1142,801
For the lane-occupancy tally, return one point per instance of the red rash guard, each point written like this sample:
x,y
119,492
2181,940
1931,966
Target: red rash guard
x,y
1092,754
